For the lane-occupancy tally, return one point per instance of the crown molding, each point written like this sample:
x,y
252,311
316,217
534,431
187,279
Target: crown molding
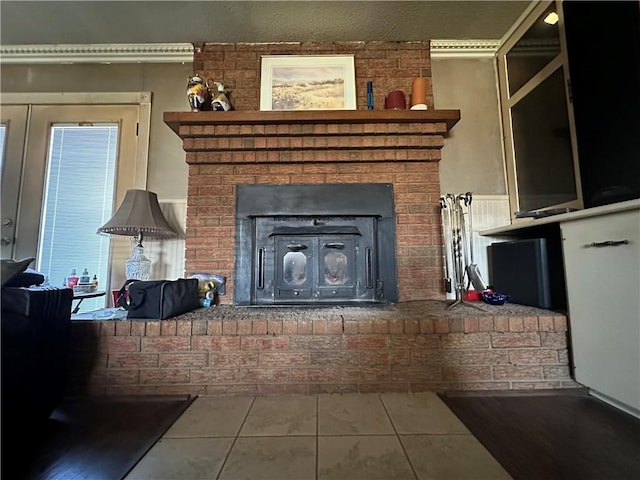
x,y
183,52
464,48
97,53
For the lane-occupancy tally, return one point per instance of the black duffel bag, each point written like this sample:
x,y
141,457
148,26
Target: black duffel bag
x,y
159,299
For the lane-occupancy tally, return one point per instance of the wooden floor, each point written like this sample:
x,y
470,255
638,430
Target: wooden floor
x,y
87,438
534,437
550,437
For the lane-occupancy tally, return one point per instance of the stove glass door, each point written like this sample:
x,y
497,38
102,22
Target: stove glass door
x,y
294,267
336,267
315,267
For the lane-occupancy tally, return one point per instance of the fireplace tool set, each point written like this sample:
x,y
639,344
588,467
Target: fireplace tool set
x,y
458,247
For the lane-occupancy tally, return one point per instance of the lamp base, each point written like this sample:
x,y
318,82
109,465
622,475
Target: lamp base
x,y
138,267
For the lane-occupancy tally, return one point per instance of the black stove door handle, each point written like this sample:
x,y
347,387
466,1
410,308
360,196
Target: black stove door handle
x,y
296,247
369,268
260,282
338,245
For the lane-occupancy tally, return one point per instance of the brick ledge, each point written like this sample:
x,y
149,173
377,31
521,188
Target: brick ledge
x,y
316,351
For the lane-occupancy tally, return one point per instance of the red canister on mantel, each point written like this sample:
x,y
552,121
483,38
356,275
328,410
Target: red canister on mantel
x,y
395,101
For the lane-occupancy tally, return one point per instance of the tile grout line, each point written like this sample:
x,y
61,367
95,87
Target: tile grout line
x,y
415,474
354,435
235,439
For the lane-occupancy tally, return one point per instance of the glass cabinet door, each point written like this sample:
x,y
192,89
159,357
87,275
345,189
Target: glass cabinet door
x,y
539,134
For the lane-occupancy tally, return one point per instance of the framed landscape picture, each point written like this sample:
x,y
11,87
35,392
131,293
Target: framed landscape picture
x,y
308,82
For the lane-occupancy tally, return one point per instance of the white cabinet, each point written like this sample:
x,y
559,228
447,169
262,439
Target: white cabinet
x,y
603,293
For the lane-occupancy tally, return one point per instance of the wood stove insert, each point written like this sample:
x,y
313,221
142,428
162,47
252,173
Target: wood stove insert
x,y
326,244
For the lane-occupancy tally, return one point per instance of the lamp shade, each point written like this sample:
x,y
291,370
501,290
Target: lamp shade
x,y
138,215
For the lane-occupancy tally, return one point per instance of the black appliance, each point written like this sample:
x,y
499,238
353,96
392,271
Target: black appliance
x,y
317,244
529,272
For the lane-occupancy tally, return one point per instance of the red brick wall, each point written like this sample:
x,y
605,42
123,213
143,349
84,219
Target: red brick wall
x,y
389,65
211,215
406,155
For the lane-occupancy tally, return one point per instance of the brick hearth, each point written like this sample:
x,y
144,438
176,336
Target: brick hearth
x,y
409,347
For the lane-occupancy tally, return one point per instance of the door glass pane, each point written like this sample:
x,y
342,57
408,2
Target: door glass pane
x,y
542,146
295,268
78,198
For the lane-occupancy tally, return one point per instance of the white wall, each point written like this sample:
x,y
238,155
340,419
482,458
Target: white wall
x,y
472,157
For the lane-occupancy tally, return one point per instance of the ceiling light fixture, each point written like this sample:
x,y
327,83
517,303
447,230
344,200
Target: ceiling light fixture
x,y
551,19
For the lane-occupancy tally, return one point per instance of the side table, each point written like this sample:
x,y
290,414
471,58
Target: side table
x,y
82,296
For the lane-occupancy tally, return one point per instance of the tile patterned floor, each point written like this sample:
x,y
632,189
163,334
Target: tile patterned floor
x,y
323,437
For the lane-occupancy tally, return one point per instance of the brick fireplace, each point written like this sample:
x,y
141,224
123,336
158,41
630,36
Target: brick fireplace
x,y
246,146
400,148
406,346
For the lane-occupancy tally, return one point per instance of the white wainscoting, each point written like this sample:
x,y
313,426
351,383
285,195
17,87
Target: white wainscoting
x,y
167,255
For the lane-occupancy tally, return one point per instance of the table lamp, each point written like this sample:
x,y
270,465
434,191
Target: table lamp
x,y
138,216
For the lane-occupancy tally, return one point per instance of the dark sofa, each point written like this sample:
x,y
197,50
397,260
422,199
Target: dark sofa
x,y
35,326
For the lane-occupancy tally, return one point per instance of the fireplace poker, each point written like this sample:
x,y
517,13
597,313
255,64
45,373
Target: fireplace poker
x,y
456,246
460,250
464,235
446,234
473,272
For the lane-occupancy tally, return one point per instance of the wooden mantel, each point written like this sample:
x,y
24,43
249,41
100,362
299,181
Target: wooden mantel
x,y
312,136
177,119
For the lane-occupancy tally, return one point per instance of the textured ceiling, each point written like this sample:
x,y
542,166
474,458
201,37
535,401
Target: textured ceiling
x,y
103,22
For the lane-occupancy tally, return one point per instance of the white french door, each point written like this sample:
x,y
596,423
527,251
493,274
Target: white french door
x,y
13,127
64,170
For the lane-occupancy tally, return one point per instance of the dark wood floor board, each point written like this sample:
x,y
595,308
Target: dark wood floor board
x,y
554,437
88,438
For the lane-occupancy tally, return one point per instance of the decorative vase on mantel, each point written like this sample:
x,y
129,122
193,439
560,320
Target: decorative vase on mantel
x,y
198,94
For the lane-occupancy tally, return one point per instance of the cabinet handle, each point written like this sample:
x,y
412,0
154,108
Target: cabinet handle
x,y
296,247
609,243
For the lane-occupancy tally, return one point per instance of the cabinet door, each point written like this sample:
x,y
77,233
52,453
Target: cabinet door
x,y
602,262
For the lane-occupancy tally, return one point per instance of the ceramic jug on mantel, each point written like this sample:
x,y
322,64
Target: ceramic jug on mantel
x,y
198,94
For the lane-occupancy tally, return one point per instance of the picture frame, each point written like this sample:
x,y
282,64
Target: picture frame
x,y
307,82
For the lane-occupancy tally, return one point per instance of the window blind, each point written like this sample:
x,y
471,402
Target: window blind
x,y
78,198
